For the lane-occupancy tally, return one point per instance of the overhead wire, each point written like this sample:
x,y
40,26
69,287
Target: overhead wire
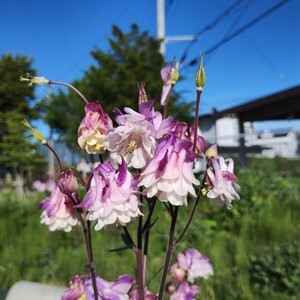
x,y
238,31
208,27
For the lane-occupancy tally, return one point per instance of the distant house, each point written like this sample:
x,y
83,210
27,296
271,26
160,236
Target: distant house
x,y
232,128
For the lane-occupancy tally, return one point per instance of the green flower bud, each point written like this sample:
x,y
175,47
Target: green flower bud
x,y
37,135
212,151
200,78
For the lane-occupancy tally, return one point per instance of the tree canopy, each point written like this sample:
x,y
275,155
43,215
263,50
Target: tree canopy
x,y
17,153
133,57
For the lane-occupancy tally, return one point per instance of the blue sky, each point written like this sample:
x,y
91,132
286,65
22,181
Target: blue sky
x,y
262,60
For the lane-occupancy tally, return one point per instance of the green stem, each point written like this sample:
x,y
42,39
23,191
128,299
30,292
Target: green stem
x,y
196,119
56,156
169,252
70,87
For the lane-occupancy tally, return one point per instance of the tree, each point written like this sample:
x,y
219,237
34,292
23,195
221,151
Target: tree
x,y
113,81
18,155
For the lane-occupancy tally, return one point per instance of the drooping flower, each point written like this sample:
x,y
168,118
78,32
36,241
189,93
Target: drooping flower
x,y
194,263
76,290
169,174
222,187
112,197
58,213
93,128
134,138
109,290
169,76
185,292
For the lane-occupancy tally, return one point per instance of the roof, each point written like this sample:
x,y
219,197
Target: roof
x,y
284,105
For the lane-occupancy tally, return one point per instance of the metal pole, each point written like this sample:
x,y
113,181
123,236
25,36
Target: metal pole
x,y
160,18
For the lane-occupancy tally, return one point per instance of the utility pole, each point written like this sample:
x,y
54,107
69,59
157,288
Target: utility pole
x,y
161,28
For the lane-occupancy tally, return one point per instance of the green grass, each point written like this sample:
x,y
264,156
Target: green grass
x,y
266,217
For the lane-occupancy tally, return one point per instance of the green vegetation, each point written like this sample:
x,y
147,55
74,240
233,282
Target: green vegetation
x,y
254,247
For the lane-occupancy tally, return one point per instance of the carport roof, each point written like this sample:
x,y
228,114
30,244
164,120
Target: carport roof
x,y
284,105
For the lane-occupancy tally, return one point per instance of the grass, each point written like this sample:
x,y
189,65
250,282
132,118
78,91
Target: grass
x,y
267,216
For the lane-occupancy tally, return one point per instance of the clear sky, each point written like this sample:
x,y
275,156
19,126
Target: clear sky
x,y
264,59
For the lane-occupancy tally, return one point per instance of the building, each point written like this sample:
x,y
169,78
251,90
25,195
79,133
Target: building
x,y
232,128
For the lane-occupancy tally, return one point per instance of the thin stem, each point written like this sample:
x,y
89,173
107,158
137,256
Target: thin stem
x,y
86,228
179,239
169,252
146,229
139,256
70,87
167,101
139,266
128,235
92,265
196,119
56,156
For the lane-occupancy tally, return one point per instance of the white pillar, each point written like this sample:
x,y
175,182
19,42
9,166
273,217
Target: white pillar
x,y
160,23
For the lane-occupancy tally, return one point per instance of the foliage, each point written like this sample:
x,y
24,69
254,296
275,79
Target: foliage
x,y
263,226
132,57
277,269
16,103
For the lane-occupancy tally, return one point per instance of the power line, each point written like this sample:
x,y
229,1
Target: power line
x,y
208,27
239,31
233,24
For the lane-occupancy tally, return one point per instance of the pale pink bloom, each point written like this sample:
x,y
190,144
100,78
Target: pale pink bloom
x,y
39,186
76,290
222,187
134,138
195,264
112,197
93,128
58,213
185,292
109,290
169,174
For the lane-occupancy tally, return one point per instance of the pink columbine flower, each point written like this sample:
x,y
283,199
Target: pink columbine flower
x,y
93,128
76,290
194,263
134,138
114,290
185,292
58,213
112,196
169,174
222,187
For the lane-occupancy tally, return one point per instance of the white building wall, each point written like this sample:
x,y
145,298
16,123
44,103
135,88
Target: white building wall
x,y
227,131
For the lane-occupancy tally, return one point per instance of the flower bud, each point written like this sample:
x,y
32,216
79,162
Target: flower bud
x,y
200,78
68,182
175,74
142,92
212,151
37,135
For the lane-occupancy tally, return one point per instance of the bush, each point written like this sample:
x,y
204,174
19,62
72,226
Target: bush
x,y
277,270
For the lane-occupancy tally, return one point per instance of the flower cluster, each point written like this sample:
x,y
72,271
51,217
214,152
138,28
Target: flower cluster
x,y
155,158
